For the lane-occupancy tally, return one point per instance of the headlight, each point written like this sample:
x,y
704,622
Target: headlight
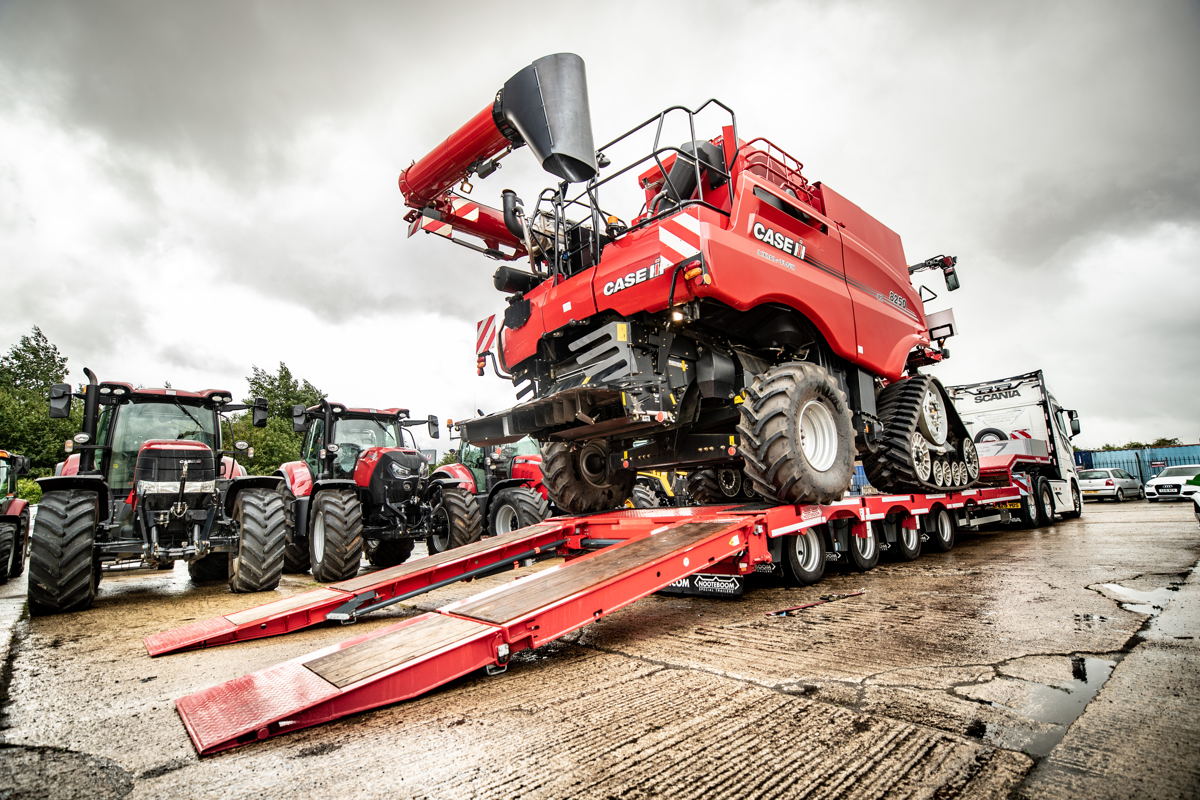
x,y
398,470
424,469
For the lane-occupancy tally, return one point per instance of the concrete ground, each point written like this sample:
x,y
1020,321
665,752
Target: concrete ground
x,y
1057,663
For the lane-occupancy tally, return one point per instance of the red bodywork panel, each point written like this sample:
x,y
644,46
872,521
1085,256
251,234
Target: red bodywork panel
x,y
70,466
173,444
368,460
230,468
458,472
298,478
529,468
16,507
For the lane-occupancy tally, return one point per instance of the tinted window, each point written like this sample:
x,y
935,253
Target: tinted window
x,y
1093,475
1189,471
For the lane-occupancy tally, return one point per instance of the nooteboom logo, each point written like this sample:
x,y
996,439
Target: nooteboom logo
x,y
719,584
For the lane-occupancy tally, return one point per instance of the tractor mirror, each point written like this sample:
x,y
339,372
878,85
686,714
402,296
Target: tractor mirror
x,y
952,281
60,401
434,431
299,419
21,466
258,416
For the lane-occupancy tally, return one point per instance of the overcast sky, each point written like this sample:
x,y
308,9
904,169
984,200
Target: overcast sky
x,y
187,189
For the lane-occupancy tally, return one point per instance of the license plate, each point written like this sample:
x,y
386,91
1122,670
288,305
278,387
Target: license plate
x,y
1168,490
1012,505
1091,491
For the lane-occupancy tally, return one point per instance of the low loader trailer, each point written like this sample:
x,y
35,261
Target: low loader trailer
x,y
611,559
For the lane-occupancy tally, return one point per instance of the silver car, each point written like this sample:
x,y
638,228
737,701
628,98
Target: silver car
x,y
1097,484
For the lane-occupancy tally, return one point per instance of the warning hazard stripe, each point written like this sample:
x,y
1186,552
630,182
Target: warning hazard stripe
x,y
465,209
485,335
679,238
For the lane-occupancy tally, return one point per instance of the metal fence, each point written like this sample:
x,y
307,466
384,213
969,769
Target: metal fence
x,y
1141,465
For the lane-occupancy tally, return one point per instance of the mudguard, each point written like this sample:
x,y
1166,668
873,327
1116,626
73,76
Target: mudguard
x,y
17,507
297,477
457,472
81,483
237,485
437,484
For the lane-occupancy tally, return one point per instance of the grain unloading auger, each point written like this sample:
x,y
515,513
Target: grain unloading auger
x,y
743,320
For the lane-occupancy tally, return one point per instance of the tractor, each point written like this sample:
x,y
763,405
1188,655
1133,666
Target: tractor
x,y
149,480
362,485
742,318
506,481
14,516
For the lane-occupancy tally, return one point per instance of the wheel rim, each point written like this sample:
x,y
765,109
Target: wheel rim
x,y
506,519
960,473
970,459
1048,502
440,523
818,435
944,528
806,551
318,538
909,537
939,473
1120,495
1076,498
922,462
593,465
730,481
865,546
990,437
935,423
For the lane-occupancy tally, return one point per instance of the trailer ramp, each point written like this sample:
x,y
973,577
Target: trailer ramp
x,y
413,656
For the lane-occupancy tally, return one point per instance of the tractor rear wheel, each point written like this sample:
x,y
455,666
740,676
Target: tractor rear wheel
x,y
516,508
212,568
455,521
388,552
579,478
335,541
796,436
258,563
63,570
8,549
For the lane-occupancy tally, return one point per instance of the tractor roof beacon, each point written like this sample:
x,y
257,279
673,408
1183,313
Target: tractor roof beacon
x,y
744,317
147,478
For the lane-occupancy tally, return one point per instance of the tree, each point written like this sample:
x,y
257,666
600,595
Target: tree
x,y
33,364
27,371
282,390
275,443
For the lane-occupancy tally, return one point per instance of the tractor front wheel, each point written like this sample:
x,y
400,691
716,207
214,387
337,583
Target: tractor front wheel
x,y
8,549
580,479
211,568
516,508
258,563
335,542
455,521
388,552
63,570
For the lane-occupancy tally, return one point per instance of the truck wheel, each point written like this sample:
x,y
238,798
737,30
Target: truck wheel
x,y
212,568
1044,505
335,541
804,556
579,478
20,546
864,550
1076,503
258,563
295,548
519,507
8,550
63,570
990,435
388,552
908,540
644,497
796,436
942,531
455,521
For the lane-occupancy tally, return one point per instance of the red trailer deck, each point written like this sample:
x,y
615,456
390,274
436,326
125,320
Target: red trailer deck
x,y
613,559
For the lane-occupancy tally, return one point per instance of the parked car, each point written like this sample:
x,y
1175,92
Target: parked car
x,y
1173,483
1097,484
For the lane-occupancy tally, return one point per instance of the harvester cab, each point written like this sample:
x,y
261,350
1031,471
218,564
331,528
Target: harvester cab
x,y
744,318
363,485
147,478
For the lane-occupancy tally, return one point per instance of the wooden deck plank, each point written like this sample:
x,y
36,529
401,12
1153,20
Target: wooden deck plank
x,y
524,597
426,634
283,605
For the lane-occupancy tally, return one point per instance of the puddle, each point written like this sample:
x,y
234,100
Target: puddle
x,y
1062,704
1139,601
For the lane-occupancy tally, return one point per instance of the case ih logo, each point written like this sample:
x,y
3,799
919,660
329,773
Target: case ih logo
x,y
780,241
635,277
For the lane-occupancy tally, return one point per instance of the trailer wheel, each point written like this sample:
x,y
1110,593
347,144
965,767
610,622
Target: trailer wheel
x,y
455,521
1076,503
908,540
388,552
579,478
63,570
1044,505
644,497
335,541
942,531
796,437
864,550
8,550
517,508
212,568
258,563
804,556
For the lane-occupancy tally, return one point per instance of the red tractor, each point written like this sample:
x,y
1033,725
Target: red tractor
x,y
743,318
362,484
150,481
14,516
506,481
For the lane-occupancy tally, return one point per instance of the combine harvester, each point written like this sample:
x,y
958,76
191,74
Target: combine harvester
x,y
721,328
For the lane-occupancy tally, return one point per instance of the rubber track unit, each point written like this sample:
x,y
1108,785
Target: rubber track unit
x,y
258,564
342,514
530,506
62,569
462,516
889,468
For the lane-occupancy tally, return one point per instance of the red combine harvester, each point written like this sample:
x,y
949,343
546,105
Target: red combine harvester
x,y
360,485
506,481
744,317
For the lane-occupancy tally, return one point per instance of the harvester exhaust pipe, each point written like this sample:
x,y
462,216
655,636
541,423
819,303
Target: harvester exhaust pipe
x,y
546,106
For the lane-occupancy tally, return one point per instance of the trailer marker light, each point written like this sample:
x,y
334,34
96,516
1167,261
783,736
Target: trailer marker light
x,y
692,273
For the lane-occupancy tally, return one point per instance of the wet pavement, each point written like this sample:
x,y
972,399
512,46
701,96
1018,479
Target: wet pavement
x,y
1059,663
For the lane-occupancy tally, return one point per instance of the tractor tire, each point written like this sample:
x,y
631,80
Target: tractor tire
x,y
258,563
212,568
644,497
579,480
1076,503
20,546
335,541
1044,502
515,508
8,549
804,556
863,554
388,552
295,548
703,488
63,569
942,530
796,435
456,521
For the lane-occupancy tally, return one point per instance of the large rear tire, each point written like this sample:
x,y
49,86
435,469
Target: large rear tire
x,y
8,549
456,520
21,546
335,542
258,563
579,478
644,497
796,436
388,552
63,570
519,507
